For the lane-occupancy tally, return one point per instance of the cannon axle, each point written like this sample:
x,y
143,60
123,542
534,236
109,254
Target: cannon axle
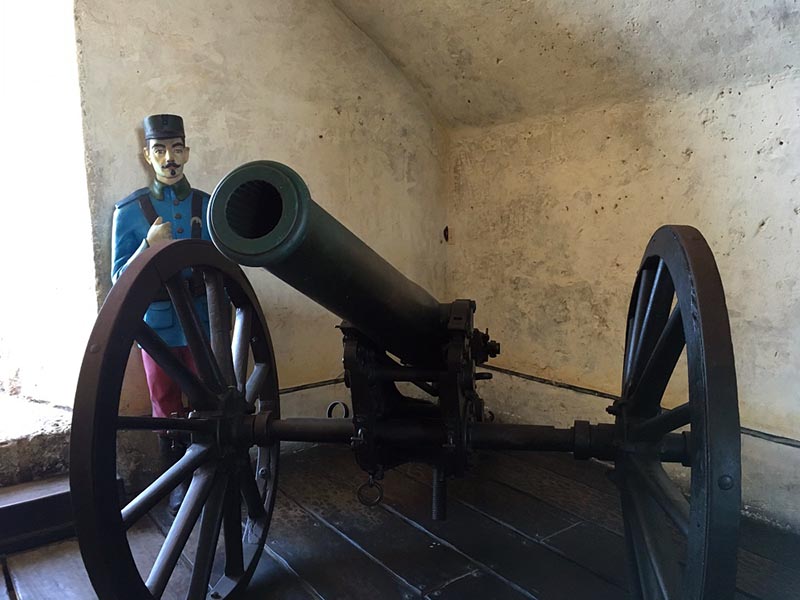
x,y
583,439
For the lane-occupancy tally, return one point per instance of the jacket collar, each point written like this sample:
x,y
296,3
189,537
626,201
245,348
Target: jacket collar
x,y
182,189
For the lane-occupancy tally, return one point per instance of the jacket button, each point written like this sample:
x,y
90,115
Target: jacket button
x,y
177,215
176,202
179,230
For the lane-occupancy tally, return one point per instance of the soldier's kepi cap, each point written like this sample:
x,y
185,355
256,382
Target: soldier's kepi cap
x,y
162,127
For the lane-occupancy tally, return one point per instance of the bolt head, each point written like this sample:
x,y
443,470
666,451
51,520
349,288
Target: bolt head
x,y
725,482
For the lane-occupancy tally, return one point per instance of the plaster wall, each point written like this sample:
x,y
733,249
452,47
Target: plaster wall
x,y
576,129
499,61
567,203
293,81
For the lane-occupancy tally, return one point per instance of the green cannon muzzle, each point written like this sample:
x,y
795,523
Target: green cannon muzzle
x,y
262,215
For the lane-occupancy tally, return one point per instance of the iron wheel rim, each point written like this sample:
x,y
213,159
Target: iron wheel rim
x,y
102,535
678,263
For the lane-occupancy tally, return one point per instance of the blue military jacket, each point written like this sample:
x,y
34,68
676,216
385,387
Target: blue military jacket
x,y
172,203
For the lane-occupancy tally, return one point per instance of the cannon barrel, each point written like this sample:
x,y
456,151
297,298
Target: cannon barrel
x,y
261,214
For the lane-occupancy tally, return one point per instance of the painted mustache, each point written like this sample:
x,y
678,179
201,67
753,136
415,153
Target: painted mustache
x,y
170,164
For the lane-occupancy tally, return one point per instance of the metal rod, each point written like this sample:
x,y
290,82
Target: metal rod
x,y
195,456
178,534
210,524
643,295
219,316
649,389
232,526
164,423
255,382
335,431
194,332
597,441
200,396
249,488
485,436
660,550
240,346
667,421
664,491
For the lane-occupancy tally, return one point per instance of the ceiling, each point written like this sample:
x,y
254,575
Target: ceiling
x,y
494,61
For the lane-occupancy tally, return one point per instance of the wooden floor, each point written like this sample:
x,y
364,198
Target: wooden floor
x,y
520,526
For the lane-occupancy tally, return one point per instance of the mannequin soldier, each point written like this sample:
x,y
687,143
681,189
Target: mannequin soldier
x,y
167,209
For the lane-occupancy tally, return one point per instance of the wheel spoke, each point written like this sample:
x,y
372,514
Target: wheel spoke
x,y
657,427
256,381
232,522
250,493
241,344
210,525
661,551
193,329
655,317
194,457
219,316
642,297
200,396
650,388
178,534
664,492
639,570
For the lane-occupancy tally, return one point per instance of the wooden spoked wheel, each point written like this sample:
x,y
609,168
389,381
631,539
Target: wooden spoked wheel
x,y
679,546
223,520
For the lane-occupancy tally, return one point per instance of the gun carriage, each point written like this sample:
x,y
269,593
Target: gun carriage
x,y
262,214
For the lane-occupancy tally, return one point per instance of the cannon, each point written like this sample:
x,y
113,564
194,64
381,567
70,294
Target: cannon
x,y
262,214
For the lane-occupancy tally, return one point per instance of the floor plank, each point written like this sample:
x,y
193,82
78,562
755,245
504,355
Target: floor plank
x,y
760,538
405,549
52,571
581,500
527,515
594,547
274,579
589,472
518,527
539,520
331,565
756,575
766,579
768,541
476,586
532,566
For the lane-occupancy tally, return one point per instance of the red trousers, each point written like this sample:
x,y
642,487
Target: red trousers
x,y
165,394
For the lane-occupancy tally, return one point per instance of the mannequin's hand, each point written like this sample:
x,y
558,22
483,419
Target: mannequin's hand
x,y
159,231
